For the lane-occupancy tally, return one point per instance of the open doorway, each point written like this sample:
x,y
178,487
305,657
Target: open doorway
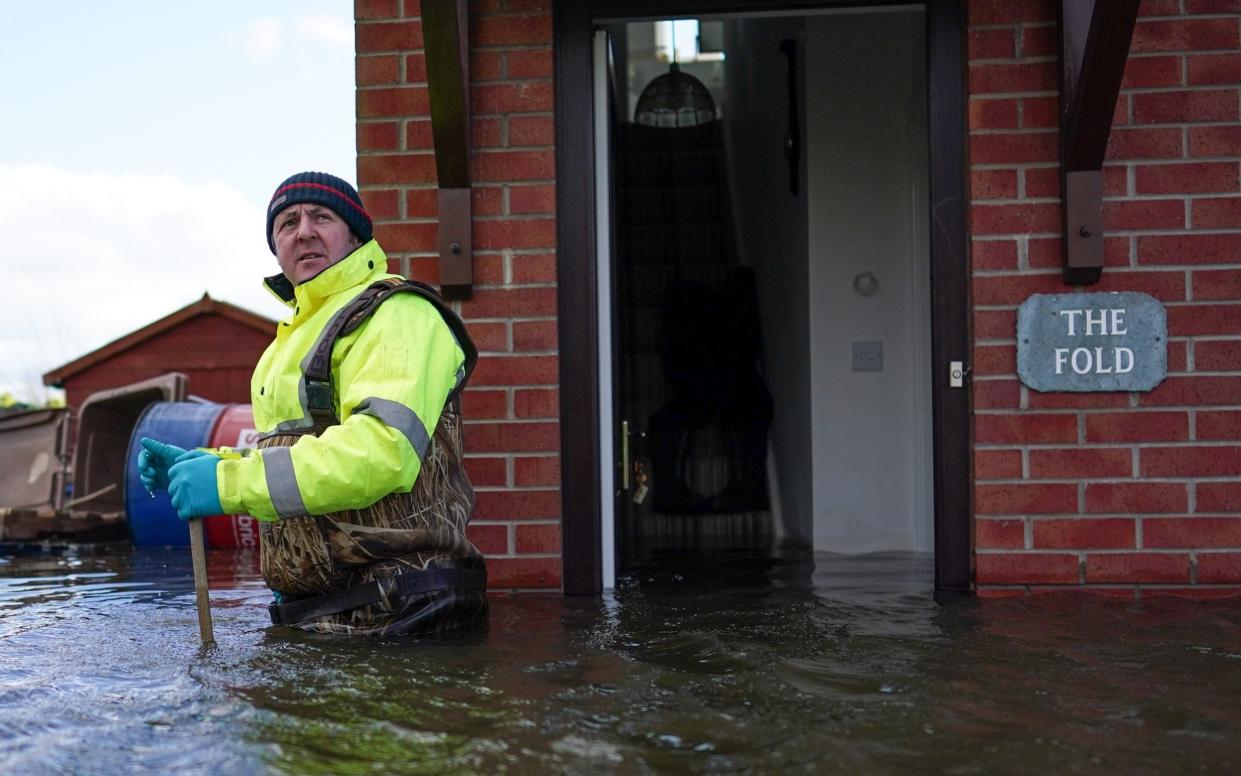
x,y
590,478
766,268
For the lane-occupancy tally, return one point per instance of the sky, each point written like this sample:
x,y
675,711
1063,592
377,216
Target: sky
x,y
139,145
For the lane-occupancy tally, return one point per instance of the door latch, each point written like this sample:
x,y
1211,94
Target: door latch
x,y
624,461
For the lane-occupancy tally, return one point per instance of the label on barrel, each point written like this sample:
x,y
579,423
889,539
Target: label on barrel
x,y
245,532
1092,342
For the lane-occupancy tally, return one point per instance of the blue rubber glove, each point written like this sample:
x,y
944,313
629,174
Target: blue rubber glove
x,y
191,483
153,462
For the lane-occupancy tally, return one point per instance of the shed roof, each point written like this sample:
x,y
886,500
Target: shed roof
x,y
204,306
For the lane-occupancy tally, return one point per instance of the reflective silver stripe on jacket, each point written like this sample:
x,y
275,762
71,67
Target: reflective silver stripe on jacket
x,y
282,482
399,417
300,426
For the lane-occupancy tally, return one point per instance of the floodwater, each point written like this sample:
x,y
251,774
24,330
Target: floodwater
x,y
818,665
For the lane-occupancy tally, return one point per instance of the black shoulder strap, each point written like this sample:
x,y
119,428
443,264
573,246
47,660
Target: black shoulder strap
x,y
357,311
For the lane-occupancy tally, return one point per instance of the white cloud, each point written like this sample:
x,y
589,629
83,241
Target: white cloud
x,y
88,257
263,36
335,30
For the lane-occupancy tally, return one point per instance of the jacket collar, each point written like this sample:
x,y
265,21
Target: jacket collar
x,y
365,264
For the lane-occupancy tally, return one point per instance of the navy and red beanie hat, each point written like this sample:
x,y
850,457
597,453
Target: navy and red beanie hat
x,y
321,189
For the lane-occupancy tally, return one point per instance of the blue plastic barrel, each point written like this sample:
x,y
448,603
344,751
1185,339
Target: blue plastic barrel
x,y
153,521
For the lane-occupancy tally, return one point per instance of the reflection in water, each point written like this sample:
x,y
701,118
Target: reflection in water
x,y
739,665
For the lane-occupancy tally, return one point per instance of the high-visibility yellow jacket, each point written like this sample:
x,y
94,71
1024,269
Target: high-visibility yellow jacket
x,y
391,377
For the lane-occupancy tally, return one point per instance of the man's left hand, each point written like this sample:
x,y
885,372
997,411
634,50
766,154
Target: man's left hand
x,y
192,485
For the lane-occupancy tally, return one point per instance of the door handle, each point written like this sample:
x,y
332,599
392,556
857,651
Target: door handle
x,y
624,462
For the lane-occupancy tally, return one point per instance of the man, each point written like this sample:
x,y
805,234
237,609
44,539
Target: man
x,y
358,481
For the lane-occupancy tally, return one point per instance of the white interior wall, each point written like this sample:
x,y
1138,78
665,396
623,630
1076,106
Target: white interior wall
x,y
772,229
867,167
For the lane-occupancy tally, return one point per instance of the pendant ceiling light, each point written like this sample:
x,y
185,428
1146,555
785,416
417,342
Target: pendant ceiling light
x,y
675,99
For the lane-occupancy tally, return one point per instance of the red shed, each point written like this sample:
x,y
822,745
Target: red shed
x,y
215,344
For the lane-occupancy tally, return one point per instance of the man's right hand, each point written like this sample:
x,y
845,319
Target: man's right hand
x,y
153,462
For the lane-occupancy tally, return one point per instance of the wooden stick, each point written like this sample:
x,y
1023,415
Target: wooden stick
x,y
199,555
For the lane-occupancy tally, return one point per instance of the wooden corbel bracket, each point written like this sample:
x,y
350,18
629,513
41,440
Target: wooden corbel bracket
x,y
445,32
1094,45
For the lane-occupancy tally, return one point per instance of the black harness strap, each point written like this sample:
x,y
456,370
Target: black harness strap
x,y
319,393
407,585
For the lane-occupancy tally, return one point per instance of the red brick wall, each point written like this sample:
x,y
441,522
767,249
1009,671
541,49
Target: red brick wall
x,y
512,433
1111,491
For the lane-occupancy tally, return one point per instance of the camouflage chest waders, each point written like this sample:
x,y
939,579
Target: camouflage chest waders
x,y
406,556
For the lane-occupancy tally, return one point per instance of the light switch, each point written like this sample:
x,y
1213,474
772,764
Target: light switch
x,y
868,356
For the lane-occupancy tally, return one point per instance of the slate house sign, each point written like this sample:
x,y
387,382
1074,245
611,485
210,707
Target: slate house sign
x,y
1092,342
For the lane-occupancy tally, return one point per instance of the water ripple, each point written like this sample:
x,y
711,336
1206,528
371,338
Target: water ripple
x,y
837,667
